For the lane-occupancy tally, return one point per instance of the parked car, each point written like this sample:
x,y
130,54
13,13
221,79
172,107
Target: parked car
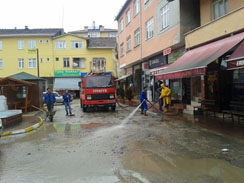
x,y
59,98
1,127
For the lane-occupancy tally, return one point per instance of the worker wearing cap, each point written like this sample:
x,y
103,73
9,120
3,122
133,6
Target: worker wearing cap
x,y
165,96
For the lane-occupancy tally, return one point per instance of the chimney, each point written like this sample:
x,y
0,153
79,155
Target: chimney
x,y
101,28
26,27
86,28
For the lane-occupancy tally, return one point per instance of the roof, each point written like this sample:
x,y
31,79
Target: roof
x,y
127,2
101,42
90,30
5,81
195,62
25,76
30,32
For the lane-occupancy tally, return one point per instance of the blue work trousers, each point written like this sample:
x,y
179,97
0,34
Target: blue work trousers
x,y
67,108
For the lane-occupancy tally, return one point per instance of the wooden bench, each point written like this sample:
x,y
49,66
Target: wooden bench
x,y
236,109
206,107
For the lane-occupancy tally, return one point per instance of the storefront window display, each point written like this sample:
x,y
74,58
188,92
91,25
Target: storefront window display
x,y
176,89
238,85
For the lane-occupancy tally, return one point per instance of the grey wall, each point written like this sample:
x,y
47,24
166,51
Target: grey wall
x,y
174,16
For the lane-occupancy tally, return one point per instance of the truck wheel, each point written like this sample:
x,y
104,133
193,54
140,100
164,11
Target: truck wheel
x,y
113,108
84,109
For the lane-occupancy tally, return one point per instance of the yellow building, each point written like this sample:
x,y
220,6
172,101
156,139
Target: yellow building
x,y
59,58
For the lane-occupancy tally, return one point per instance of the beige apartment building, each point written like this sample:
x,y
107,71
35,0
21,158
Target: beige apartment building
x,y
151,36
213,65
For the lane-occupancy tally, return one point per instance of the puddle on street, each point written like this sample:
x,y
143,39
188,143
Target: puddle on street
x,y
176,168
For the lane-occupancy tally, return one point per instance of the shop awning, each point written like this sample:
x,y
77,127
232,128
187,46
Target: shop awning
x,y
236,60
66,83
123,77
194,62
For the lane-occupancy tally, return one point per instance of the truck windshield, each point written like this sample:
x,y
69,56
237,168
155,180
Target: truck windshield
x,y
98,82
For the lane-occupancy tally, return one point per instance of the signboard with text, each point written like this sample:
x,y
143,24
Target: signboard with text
x,y
235,64
66,73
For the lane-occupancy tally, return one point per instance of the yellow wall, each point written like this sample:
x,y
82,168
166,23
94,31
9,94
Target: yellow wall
x,y
10,55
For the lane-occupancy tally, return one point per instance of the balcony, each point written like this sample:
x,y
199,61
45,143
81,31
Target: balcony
x,y
230,23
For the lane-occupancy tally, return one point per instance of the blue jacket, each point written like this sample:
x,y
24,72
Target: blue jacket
x,y
67,98
143,96
52,98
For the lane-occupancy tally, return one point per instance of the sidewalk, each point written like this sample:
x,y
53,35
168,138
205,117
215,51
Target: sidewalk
x,y
28,120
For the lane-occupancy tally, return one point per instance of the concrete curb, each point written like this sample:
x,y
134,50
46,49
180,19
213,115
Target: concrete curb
x,y
25,130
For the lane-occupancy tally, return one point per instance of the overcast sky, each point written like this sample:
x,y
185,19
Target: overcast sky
x,y
69,14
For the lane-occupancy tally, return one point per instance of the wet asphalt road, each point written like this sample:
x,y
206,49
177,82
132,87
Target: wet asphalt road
x,y
101,147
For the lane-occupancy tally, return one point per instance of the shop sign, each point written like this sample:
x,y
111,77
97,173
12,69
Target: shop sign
x,y
235,64
66,73
145,66
167,51
156,62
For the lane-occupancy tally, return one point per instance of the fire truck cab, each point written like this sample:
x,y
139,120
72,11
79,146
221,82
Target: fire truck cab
x,y
98,90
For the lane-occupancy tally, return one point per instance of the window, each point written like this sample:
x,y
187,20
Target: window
x,y
94,34
1,63
48,60
149,29
66,62
137,37
57,59
32,63
40,41
128,43
112,34
1,45
76,44
136,7
145,1
47,41
164,15
41,60
98,64
60,45
21,44
219,8
121,25
122,49
21,63
79,63
128,16
31,44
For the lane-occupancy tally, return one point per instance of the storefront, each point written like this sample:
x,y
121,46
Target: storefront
x,y
67,80
235,64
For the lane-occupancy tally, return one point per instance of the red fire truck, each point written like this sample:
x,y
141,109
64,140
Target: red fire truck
x,y
98,90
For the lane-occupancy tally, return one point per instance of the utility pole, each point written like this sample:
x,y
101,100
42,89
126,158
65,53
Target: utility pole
x,y
38,69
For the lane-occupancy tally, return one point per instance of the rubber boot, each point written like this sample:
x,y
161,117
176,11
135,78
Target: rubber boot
x,y
145,113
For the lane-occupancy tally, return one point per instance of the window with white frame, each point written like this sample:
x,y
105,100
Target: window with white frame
x,y
76,44
145,1
40,41
1,63
128,16
47,41
137,35
60,45
31,44
121,25
1,45
21,44
66,62
122,49
164,15
32,63
112,34
136,7
41,60
149,29
128,44
48,59
21,63
79,63
94,34
98,64
219,8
